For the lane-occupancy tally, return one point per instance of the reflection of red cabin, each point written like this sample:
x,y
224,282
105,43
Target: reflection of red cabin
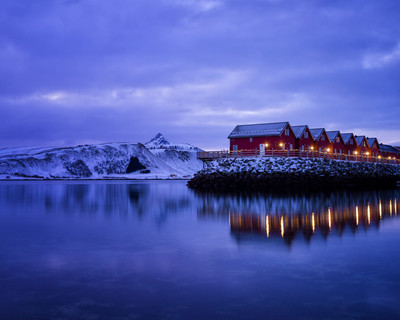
x,y
261,137
351,146
363,147
322,142
389,152
338,146
374,145
304,138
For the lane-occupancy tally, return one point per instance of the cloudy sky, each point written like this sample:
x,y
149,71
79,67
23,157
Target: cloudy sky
x,y
88,71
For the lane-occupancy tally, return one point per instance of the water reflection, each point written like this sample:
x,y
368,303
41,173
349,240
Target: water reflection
x,y
287,217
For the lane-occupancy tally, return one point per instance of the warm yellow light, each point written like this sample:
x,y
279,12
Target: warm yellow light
x,y
328,150
266,145
267,225
380,208
355,152
329,218
357,215
379,157
390,158
390,207
313,222
282,228
369,214
312,148
367,153
281,144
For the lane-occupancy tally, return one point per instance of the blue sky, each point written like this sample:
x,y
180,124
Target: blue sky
x,y
88,71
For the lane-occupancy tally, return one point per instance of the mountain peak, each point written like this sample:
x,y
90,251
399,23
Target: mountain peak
x,y
158,141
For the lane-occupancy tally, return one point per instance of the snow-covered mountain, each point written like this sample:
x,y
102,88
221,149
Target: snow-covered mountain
x,y
102,161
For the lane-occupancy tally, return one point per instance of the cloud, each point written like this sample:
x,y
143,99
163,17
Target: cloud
x,y
380,60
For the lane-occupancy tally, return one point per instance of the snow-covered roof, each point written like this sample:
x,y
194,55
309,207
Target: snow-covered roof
x,y
346,137
258,130
299,130
371,141
332,134
360,139
316,133
388,148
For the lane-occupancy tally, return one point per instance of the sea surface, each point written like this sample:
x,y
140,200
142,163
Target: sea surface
x,y
157,250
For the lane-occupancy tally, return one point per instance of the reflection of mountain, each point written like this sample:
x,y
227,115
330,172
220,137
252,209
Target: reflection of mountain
x,y
287,217
91,198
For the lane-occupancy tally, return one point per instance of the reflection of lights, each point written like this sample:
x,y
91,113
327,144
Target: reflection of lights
x,y
267,225
369,214
395,207
282,228
313,222
329,218
390,207
380,208
357,215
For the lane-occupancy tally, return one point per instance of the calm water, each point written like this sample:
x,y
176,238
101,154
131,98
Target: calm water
x,y
156,250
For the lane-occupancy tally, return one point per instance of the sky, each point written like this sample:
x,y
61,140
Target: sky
x,y
94,71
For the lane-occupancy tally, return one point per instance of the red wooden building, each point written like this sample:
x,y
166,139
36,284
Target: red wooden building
x,y
304,138
389,152
374,145
337,143
322,142
261,137
351,146
363,147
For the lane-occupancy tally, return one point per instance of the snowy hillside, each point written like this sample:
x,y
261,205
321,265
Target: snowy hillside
x,y
102,161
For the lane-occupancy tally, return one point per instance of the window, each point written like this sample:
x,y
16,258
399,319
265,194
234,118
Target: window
x,y
286,132
337,139
251,139
319,149
351,141
334,151
306,135
234,147
322,138
291,147
302,148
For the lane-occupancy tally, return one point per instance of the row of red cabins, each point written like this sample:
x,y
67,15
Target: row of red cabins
x,y
281,136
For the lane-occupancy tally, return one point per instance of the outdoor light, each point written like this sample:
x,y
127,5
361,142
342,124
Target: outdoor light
x,y
266,145
312,148
379,157
367,153
355,152
281,144
328,149
390,158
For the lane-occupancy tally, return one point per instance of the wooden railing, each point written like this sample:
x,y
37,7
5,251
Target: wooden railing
x,y
212,155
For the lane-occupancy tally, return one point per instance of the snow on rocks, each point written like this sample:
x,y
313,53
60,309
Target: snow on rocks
x,y
292,174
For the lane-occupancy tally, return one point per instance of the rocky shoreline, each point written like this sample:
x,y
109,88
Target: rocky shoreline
x,y
293,175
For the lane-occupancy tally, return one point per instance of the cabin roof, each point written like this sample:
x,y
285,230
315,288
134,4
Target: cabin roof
x,y
332,135
346,137
360,139
316,133
371,141
388,148
258,130
299,130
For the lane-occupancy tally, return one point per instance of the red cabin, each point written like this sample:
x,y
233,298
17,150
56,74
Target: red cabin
x,y
351,146
389,152
304,138
258,138
338,146
374,145
322,142
363,146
